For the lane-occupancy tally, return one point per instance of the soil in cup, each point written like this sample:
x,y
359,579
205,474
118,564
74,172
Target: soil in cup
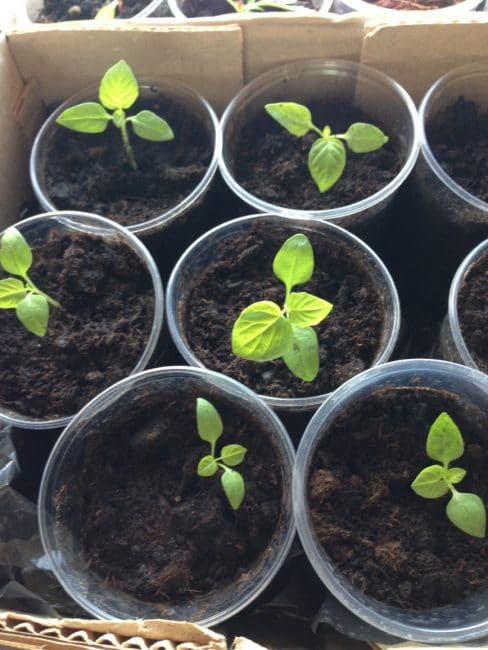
x,y
414,5
55,11
197,8
473,312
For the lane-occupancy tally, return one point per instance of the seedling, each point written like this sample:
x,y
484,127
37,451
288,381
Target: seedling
x,y
110,10
30,303
327,155
210,428
265,331
117,92
445,444
260,5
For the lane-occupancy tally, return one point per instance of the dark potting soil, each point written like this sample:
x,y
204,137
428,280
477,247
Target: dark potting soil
x,y
92,341
473,312
197,8
148,522
390,543
458,137
91,172
55,11
272,163
414,5
240,273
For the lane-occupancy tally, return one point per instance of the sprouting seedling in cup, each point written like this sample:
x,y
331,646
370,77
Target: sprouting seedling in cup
x,y
327,155
445,444
109,10
30,303
210,428
265,331
117,92
260,5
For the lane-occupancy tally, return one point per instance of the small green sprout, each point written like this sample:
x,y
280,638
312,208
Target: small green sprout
x,y
327,155
260,5
445,443
264,331
118,91
210,428
30,303
109,11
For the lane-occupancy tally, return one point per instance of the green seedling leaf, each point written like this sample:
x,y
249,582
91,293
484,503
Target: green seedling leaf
x,y
303,357
467,512
89,117
295,118
149,126
12,291
15,254
293,263
306,310
326,162
455,475
234,488
431,482
119,87
108,12
209,423
364,138
207,466
261,332
233,455
33,313
444,442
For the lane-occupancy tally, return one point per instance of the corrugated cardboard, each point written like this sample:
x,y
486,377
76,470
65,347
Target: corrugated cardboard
x,y
45,64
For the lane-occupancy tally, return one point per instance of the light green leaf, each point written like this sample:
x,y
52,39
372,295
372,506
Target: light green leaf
x,y
455,474
261,332
15,253
293,263
209,422
89,117
33,313
430,482
108,12
467,512
444,442
295,118
326,162
233,455
234,488
306,310
303,357
207,466
12,291
149,126
119,87
363,138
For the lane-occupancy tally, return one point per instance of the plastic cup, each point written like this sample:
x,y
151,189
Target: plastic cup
x,y
452,624
27,11
36,229
370,9
322,6
380,97
61,544
169,89
205,249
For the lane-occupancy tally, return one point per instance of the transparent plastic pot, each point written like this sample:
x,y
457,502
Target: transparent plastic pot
x,y
27,11
452,345
149,89
205,250
455,623
35,229
320,6
94,593
365,88
370,9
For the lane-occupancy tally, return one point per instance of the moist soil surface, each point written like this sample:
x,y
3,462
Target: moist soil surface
x,y
414,5
91,172
272,163
240,273
55,11
196,8
390,543
473,312
458,137
94,339
148,522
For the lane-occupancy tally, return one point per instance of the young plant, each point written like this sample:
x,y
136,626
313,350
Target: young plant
x,y
110,10
30,303
117,92
265,331
260,5
210,428
445,444
327,155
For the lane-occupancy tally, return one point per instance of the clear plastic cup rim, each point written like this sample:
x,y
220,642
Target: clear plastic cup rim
x,y
174,7
452,10
22,14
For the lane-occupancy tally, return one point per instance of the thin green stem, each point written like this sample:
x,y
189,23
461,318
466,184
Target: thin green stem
x,y
127,145
34,289
317,130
